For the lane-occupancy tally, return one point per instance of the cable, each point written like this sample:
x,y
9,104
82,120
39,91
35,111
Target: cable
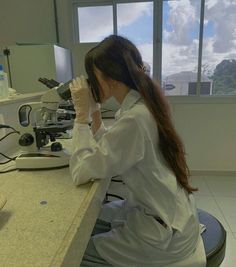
x,y
9,159
11,170
9,134
8,126
7,156
116,180
5,162
106,110
112,195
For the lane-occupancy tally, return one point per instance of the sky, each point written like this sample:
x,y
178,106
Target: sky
x,y
180,31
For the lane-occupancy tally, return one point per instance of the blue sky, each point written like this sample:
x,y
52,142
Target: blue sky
x,y
140,31
209,29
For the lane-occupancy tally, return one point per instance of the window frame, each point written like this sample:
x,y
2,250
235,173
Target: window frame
x,y
157,45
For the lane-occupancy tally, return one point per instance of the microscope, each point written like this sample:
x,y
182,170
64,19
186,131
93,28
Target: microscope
x,y
41,124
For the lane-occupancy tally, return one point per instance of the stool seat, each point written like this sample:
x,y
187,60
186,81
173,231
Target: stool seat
x,y
214,239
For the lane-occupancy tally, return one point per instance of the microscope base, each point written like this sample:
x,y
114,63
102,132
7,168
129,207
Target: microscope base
x,y
42,159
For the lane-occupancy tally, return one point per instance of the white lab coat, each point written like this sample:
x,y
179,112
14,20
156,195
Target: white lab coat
x,y
130,149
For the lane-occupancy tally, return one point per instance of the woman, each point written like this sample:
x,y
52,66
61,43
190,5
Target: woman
x,y
157,224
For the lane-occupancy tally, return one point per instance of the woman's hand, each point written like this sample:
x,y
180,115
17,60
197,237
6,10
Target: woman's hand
x,y
83,100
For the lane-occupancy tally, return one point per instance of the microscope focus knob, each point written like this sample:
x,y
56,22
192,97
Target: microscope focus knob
x,y
26,139
56,146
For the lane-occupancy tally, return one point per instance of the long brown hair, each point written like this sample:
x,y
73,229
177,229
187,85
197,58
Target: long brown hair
x,y
119,59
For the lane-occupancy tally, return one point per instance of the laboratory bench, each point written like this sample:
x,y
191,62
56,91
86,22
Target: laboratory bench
x,y
47,220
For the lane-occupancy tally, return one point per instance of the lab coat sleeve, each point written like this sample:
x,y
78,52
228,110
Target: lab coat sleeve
x,y
100,132
118,150
76,136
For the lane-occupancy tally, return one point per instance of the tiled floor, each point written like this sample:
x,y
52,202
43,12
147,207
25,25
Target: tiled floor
x,y
217,195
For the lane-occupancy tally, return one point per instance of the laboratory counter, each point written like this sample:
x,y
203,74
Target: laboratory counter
x,y
47,220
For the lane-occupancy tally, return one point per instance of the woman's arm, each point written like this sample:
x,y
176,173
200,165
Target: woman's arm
x,y
117,151
96,121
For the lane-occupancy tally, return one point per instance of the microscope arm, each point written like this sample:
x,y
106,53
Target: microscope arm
x,y
52,98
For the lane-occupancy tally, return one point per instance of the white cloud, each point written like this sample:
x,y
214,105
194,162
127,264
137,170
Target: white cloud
x,y
211,3
180,54
211,57
182,16
95,23
222,14
129,13
146,51
179,58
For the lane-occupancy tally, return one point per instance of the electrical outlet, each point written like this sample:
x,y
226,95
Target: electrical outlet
x,y
2,130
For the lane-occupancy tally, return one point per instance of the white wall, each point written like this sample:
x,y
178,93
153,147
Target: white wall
x,y
26,21
208,131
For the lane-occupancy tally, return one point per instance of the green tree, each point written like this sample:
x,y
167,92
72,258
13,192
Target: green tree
x,y
224,78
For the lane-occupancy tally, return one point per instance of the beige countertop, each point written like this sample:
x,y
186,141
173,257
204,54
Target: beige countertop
x,y
47,220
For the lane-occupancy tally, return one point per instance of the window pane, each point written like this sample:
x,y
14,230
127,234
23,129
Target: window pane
x,y
135,21
95,23
219,46
180,46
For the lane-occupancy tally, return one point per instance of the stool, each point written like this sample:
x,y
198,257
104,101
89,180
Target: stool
x,y
214,239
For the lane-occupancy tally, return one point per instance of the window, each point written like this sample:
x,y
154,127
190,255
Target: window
x,y
190,45
94,23
137,26
219,46
180,46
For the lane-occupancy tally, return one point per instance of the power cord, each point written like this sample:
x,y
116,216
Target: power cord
x,y
10,159
2,126
8,156
117,180
11,170
8,135
8,127
104,110
113,195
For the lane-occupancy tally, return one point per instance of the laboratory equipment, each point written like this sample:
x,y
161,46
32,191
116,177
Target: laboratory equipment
x,y
41,123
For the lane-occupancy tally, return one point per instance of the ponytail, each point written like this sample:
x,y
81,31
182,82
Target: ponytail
x,y
170,143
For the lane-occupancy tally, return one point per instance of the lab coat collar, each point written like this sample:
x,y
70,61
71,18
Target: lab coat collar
x,y
130,99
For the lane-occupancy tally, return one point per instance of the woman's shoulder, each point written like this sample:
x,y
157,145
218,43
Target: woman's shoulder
x,y
143,118
141,113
